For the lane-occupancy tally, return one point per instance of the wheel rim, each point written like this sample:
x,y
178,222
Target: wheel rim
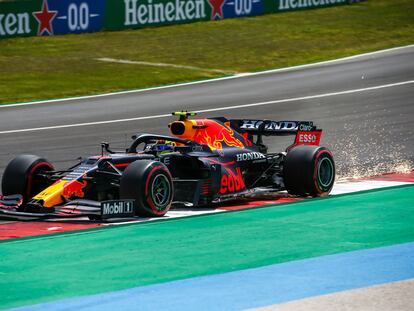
x,y
160,191
325,172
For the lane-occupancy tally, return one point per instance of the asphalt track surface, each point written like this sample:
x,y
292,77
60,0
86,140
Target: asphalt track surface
x,y
366,129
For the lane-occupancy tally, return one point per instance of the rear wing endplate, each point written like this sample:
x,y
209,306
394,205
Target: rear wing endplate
x,y
305,131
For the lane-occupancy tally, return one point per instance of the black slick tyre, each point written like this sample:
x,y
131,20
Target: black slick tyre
x,y
309,171
20,176
150,184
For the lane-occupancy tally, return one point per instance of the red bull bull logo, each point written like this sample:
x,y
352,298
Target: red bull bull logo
x,y
53,195
216,135
74,189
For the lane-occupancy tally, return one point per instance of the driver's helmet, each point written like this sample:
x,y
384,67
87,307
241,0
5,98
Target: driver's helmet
x,y
161,146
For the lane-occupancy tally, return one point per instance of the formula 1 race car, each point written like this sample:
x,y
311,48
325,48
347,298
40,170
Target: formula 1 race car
x,y
205,161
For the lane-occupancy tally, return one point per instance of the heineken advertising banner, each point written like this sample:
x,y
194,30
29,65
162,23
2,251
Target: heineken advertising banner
x,y
289,5
50,17
122,14
140,13
53,17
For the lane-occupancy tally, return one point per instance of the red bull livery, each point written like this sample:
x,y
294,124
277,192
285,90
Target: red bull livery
x,y
203,162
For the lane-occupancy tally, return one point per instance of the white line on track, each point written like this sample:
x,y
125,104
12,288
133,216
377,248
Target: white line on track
x,y
241,75
372,88
133,62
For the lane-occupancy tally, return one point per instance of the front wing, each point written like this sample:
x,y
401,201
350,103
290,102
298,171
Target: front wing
x,y
11,208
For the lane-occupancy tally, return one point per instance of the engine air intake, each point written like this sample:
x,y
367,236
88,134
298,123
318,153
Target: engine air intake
x,y
177,128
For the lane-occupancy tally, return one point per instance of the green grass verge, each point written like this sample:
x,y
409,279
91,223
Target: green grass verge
x,y
71,265
62,66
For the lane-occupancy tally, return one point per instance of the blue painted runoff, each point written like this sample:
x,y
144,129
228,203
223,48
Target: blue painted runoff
x,y
257,287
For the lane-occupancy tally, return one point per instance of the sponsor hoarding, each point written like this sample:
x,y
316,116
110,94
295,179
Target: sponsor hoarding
x,y
16,18
56,17
141,13
50,17
289,5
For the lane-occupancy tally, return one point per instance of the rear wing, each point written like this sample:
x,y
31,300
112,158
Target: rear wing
x,y
305,131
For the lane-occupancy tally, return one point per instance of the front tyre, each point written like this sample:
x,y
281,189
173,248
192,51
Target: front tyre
x,y
149,183
21,176
309,170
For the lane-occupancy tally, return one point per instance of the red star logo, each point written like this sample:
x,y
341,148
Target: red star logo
x,y
216,8
45,18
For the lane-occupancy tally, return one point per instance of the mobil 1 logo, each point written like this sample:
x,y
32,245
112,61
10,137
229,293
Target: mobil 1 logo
x,y
118,209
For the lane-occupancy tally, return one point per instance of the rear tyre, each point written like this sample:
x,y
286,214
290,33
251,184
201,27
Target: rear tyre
x,y
309,170
149,183
20,176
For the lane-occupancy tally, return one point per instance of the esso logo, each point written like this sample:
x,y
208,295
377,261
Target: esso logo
x,y
307,138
